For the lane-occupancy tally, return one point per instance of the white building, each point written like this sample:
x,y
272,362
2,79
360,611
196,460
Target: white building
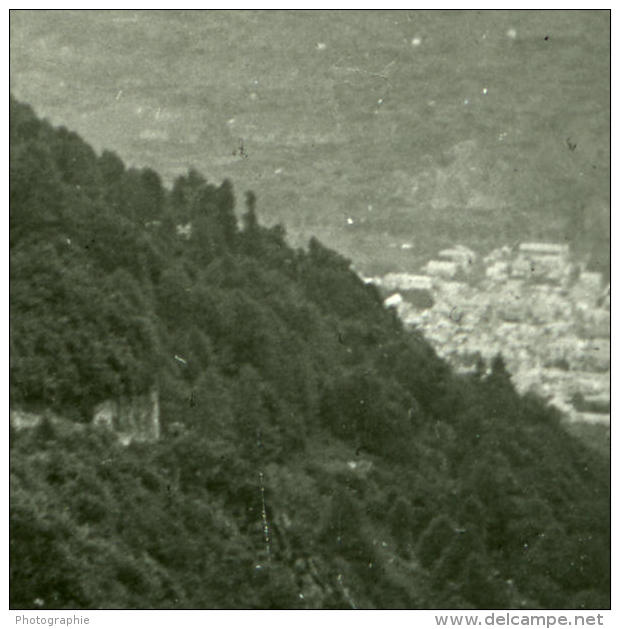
x,y
394,300
442,268
543,248
588,287
407,281
498,271
542,261
460,255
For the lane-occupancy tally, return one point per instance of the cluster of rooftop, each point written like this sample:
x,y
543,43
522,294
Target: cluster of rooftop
x,y
544,312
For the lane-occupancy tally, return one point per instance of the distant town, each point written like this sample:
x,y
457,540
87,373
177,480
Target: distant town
x,y
543,311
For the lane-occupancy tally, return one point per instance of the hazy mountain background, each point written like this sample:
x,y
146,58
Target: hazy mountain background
x,y
365,128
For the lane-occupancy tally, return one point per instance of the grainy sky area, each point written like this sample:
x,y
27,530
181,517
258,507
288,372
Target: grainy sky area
x,y
364,127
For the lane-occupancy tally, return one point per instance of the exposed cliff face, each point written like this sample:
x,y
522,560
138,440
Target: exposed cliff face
x,y
21,420
133,419
27,420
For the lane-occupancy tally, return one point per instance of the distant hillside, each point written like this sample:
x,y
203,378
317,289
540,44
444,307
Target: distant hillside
x,y
435,127
312,454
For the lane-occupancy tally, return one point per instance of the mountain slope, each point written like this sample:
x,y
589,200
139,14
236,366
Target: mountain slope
x,y
313,453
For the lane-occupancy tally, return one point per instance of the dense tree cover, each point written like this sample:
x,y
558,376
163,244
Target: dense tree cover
x,y
388,481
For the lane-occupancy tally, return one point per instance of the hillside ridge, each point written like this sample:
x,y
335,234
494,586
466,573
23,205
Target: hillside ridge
x,y
313,452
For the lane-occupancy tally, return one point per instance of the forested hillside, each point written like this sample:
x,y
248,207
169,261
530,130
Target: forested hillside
x,y
313,453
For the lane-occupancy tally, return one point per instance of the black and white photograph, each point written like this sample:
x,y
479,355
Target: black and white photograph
x,y
310,310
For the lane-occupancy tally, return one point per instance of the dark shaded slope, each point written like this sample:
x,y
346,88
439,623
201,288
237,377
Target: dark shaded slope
x,y
387,480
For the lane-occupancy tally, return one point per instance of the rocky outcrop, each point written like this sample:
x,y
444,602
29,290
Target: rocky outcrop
x,y
21,420
27,420
132,419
